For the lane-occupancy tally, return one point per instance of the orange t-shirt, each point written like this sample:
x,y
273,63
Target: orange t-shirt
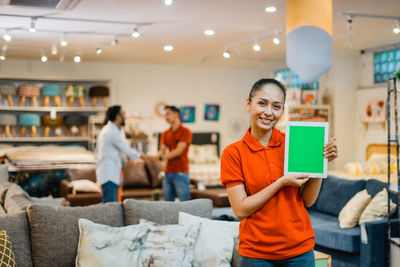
x,y
171,139
281,229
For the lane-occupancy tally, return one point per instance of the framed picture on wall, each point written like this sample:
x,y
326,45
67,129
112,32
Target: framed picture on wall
x,y
188,114
211,112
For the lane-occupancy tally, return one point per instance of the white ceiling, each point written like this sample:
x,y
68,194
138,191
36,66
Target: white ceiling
x,y
182,26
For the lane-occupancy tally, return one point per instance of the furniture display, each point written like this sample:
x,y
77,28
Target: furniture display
x,y
393,187
7,124
364,245
29,120
9,90
29,90
56,123
99,92
73,91
75,124
52,90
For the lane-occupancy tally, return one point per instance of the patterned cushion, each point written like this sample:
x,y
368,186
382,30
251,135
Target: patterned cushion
x,y
29,119
51,90
8,89
74,120
29,90
98,91
6,255
135,177
153,167
47,121
75,90
8,119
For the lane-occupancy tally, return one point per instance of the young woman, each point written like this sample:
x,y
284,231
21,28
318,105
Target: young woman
x,y
275,228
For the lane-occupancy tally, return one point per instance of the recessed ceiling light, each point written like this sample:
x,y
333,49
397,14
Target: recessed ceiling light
x,y
226,54
209,32
168,2
77,59
168,48
276,41
396,30
256,47
270,9
99,51
43,58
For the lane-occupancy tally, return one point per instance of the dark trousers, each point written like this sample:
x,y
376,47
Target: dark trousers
x,y
110,192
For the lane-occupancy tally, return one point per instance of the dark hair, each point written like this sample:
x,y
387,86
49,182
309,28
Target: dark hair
x,y
112,113
173,108
259,84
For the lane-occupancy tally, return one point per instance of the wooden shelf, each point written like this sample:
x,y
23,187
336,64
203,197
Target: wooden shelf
x,y
57,109
44,139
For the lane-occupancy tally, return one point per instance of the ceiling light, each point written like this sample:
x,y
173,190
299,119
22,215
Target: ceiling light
x,y
276,40
226,54
99,51
209,32
270,9
54,49
349,22
7,36
63,42
396,29
168,48
32,27
43,58
77,59
168,2
256,47
114,41
135,33
3,56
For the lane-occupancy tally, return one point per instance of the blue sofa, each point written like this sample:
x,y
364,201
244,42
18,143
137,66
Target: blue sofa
x,y
347,246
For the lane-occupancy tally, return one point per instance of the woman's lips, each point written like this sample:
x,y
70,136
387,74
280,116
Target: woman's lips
x,y
265,121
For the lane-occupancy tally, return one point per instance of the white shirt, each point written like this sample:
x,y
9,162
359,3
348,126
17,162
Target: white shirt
x,y
109,158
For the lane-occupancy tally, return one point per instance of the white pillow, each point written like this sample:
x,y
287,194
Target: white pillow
x,y
351,212
102,245
216,240
85,185
377,209
169,245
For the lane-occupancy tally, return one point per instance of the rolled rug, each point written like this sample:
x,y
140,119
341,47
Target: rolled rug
x,y
7,121
8,89
52,90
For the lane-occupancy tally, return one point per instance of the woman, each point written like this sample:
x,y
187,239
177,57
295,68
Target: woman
x,y
275,228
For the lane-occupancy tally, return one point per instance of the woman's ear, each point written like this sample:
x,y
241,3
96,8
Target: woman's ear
x,y
248,104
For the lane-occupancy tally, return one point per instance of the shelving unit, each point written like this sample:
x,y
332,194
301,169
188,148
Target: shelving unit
x,y
393,138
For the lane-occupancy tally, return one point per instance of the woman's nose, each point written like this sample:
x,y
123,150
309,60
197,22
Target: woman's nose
x,y
268,110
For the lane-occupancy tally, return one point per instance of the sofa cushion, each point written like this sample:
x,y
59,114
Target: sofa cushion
x,y
17,200
351,212
2,210
335,193
4,186
374,186
329,234
153,167
82,173
3,173
17,229
136,177
164,212
55,232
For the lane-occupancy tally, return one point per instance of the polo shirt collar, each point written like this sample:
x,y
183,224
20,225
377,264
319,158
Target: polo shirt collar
x,y
257,146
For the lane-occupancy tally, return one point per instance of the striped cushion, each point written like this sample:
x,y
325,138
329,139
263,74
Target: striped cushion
x,y
29,119
7,89
51,90
29,90
8,119
98,91
74,120
75,90
47,121
7,258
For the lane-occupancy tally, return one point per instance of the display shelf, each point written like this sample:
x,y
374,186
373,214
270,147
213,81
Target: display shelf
x,y
44,139
57,109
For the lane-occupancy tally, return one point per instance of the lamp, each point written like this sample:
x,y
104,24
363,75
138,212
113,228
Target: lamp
x,y
226,54
99,50
6,36
63,42
54,49
32,27
135,33
396,29
256,47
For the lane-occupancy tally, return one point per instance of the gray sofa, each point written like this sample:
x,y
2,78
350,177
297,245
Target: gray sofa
x,y
48,236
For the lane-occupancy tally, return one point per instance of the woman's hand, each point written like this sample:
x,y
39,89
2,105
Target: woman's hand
x,y
330,150
294,180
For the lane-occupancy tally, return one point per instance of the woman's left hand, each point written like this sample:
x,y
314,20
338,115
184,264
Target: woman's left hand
x,y
330,150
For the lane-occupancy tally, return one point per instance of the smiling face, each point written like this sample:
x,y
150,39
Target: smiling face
x,y
266,107
170,116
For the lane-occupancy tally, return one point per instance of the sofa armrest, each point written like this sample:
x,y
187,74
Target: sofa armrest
x,y
374,245
65,188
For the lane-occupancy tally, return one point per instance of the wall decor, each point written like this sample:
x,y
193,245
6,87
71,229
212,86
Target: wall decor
x,y
188,114
211,112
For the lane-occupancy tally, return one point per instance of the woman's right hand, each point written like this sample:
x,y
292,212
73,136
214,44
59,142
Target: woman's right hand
x,y
294,180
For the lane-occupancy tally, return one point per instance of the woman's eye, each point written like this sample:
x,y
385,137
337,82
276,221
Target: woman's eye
x,y
277,107
262,104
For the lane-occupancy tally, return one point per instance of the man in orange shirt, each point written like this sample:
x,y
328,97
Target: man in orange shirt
x,y
177,139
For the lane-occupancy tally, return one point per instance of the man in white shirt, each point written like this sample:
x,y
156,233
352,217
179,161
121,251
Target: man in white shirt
x,y
110,149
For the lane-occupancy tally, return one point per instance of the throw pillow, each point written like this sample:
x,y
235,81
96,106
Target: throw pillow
x,y
153,167
351,212
82,173
85,185
101,245
7,258
169,245
17,200
136,176
216,241
377,209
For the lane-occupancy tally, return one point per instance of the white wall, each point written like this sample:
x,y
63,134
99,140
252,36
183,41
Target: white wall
x,y
138,87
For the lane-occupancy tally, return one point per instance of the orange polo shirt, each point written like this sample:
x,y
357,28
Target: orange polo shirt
x,y
281,229
171,139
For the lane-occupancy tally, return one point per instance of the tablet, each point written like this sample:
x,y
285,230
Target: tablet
x,y
304,148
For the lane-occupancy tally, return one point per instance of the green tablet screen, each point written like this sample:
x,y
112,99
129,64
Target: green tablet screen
x,y
306,148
